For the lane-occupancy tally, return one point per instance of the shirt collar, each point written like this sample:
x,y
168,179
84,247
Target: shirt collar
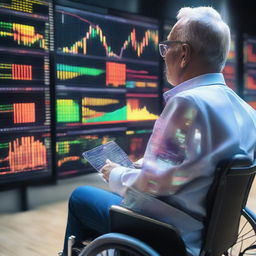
x,y
202,80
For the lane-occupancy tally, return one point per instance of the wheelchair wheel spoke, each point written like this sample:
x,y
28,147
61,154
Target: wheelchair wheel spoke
x,y
242,228
246,237
248,232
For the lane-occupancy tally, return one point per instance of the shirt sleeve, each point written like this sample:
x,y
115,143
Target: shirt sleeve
x,y
121,177
174,149
175,143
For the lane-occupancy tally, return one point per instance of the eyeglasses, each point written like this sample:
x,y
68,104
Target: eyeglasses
x,y
165,45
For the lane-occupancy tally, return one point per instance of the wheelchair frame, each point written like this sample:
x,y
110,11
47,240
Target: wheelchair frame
x,y
229,194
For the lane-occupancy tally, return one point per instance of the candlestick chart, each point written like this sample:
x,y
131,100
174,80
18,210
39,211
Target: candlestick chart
x,y
96,35
105,51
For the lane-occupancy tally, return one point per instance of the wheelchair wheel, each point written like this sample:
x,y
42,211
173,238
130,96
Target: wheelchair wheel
x,y
115,244
246,241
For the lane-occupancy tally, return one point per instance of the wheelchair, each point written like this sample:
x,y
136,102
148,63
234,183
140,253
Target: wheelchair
x,y
230,227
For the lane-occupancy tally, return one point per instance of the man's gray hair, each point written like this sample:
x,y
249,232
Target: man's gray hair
x,y
207,33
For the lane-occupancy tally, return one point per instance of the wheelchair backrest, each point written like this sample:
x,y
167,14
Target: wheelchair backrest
x,y
228,197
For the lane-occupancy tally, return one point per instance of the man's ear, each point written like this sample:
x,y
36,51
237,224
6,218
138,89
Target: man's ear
x,y
186,55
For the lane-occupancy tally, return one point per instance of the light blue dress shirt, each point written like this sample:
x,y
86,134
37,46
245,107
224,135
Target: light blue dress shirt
x,y
203,122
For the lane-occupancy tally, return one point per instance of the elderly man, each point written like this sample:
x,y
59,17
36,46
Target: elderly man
x,y
202,123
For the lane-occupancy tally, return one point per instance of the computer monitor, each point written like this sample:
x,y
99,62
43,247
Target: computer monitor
x,y
107,77
25,112
249,64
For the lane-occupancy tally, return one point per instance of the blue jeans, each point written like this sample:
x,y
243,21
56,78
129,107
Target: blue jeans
x,y
88,213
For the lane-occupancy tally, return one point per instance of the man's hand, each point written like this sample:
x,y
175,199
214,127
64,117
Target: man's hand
x,y
138,164
107,168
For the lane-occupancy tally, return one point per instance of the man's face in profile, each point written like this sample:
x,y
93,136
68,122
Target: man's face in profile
x,y
171,59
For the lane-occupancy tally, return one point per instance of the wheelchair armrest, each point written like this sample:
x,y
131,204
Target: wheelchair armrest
x,y
239,164
162,237
240,160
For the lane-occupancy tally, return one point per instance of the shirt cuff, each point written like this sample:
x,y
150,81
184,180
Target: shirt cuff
x,y
115,180
121,177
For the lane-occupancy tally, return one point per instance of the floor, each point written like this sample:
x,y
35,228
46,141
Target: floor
x,y
33,233
39,232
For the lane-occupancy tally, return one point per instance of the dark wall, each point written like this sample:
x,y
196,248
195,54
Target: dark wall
x,y
169,8
160,9
243,15
151,8
132,6
239,14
